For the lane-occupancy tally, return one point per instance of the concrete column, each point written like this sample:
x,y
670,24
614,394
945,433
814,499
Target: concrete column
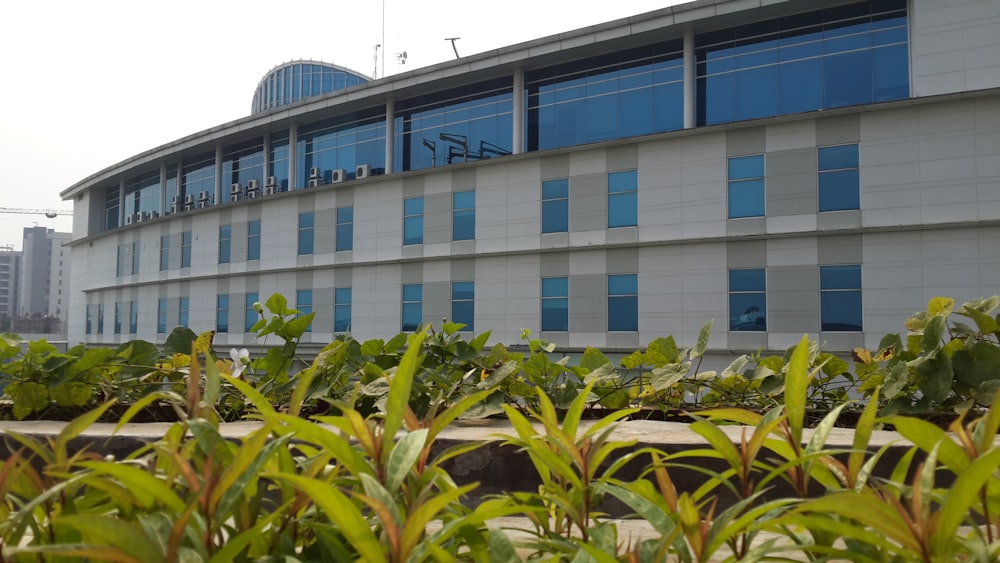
x,y
268,167
390,136
517,142
218,174
293,156
690,90
121,202
164,201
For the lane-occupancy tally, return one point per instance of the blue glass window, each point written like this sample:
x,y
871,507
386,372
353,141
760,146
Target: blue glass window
x,y
134,251
222,313
250,315
278,162
840,298
225,243
463,215
133,318
243,162
746,186
89,321
613,96
304,304
100,318
847,55
186,249
345,228
184,307
623,210
413,307
307,224
198,178
253,240
342,309
413,220
839,183
623,302
458,125
164,253
118,318
748,300
120,260
463,304
555,304
341,144
161,316
555,206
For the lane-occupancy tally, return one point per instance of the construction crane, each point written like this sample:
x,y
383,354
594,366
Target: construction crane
x,y
50,213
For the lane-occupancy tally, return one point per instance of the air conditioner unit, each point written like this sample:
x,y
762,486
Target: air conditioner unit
x,y
363,171
234,197
315,172
253,185
202,196
313,182
154,214
128,219
236,189
271,181
189,198
252,194
174,200
140,217
269,189
174,207
338,175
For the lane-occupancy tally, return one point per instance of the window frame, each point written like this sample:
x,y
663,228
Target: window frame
x,y
463,215
555,205
222,313
414,302
225,243
342,297
622,299
413,219
253,239
306,234
623,198
837,170
345,229
559,286
744,182
460,301
762,291
827,294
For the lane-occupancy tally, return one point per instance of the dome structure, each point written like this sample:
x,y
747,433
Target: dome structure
x,y
297,80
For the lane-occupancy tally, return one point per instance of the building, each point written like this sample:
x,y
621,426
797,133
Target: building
x,y
10,260
781,167
43,278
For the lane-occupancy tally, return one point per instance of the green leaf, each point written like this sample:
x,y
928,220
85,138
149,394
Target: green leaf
x,y
927,436
702,343
662,378
593,358
719,441
372,347
933,333
977,364
179,341
146,488
107,531
71,393
402,383
834,365
662,351
28,397
796,388
403,458
934,376
963,496
940,306
343,513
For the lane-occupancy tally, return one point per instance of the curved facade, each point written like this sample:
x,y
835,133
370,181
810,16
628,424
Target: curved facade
x,y
299,80
782,169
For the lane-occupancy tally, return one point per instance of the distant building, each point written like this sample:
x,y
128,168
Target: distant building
x,y
780,166
43,277
10,261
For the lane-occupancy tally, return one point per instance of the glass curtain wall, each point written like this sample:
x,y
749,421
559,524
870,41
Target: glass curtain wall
x,y
277,160
341,143
842,56
297,81
198,175
625,94
459,125
142,193
243,162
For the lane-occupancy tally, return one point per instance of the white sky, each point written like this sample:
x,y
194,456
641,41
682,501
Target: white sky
x,y
89,84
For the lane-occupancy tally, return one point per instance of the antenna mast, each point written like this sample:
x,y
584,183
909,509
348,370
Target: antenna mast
x,y
453,47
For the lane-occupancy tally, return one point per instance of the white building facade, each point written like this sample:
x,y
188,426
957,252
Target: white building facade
x,y
778,167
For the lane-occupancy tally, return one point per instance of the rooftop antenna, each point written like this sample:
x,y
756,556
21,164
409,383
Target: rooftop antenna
x,y
401,58
375,72
453,47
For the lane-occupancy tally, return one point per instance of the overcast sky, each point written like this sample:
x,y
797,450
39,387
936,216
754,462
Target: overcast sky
x,y
89,84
